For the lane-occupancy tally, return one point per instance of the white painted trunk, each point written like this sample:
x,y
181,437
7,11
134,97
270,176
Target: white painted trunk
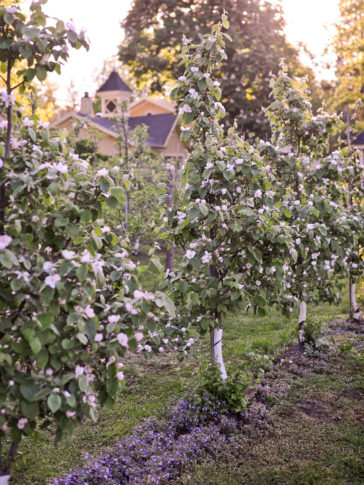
x,y
356,311
216,351
302,321
4,479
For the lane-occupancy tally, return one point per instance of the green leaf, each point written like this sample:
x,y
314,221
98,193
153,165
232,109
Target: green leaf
x,y
203,209
72,36
72,230
8,18
169,306
287,213
156,262
30,74
194,212
61,222
28,333
112,202
5,358
82,338
35,345
32,134
42,358
29,410
28,391
82,383
16,284
188,118
6,258
86,216
94,414
81,272
118,192
225,23
54,402
98,241
41,73
46,320
90,330
47,295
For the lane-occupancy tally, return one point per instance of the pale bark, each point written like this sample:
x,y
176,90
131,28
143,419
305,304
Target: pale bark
x,y
302,322
170,195
354,309
216,351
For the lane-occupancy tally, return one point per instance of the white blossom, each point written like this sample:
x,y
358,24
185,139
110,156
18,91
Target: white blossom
x,y
130,309
71,26
206,258
68,254
27,122
4,241
22,422
190,254
89,312
79,371
102,173
258,194
139,336
52,280
113,318
122,339
184,109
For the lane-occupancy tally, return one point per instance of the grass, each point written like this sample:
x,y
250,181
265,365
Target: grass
x,y
156,383
317,435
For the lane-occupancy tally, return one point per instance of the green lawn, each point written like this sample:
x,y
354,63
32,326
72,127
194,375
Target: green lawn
x,y
152,386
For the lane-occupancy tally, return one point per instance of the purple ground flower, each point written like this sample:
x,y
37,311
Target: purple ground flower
x,y
159,451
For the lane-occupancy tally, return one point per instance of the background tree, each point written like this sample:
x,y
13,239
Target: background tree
x,y
154,32
349,48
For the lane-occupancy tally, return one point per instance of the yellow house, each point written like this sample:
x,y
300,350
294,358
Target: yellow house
x,y
158,115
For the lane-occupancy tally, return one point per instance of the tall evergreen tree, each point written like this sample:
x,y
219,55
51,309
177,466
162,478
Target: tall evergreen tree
x,y
349,48
154,32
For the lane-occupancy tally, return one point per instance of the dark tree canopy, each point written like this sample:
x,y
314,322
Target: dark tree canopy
x,y
154,31
349,49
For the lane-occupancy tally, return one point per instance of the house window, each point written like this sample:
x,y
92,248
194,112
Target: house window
x,y
111,106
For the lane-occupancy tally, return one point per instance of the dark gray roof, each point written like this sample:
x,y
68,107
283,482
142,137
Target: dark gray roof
x,y
159,126
114,83
359,140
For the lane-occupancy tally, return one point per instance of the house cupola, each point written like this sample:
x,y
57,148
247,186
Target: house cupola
x,y
113,92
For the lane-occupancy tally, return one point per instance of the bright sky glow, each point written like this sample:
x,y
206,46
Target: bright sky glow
x,y
308,21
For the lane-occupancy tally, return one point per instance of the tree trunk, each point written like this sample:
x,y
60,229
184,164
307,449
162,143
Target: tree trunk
x,y
170,258
170,194
127,209
354,309
302,322
216,349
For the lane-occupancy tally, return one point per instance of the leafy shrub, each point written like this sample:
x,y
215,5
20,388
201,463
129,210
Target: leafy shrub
x,y
312,331
228,396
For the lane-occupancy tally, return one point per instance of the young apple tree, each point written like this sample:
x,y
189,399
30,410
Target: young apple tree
x,y
236,244
71,302
300,156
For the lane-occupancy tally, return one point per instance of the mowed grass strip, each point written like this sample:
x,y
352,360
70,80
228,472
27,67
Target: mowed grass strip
x,y
316,435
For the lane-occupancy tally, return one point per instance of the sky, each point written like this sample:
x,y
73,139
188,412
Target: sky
x,y
308,21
